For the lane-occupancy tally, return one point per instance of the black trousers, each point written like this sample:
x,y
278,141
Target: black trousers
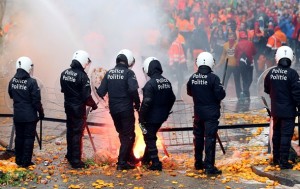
x,y
205,129
124,123
151,151
24,141
234,70
75,129
246,72
283,130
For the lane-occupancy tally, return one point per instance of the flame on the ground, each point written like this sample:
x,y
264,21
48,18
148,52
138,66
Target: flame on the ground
x,y
139,146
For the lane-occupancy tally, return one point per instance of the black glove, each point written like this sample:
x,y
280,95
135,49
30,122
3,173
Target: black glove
x,y
137,106
141,119
41,115
94,107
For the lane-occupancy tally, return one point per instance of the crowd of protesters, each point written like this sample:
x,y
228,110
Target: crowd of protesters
x,y
218,26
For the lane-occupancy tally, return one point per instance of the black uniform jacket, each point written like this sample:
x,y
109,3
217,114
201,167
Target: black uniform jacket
x,y
158,96
283,86
121,85
207,93
26,95
75,85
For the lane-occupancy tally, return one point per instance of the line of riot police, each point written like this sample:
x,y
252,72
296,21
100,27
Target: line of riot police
x,y
121,86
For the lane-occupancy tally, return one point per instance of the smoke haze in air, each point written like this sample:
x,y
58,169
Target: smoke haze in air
x,y
50,31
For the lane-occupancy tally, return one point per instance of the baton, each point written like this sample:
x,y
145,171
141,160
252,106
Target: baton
x,y
220,143
225,70
41,134
270,133
89,109
38,139
266,105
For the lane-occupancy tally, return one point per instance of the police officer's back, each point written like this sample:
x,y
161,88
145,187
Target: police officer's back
x,y
158,99
26,94
75,85
207,92
122,87
283,85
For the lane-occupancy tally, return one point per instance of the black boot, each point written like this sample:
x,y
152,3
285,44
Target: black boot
x,y
146,159
76,149
27,152
18,162
209,161
68,157
156,166
79,165
284,163
25,165
276,160
199,146
212,170
124,166
19,144
133,160
199,165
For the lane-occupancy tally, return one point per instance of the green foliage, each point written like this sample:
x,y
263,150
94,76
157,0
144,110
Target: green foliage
x,y
90,162
16,177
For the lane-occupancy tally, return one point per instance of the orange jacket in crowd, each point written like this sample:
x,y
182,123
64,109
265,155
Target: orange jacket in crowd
x,y
184,25
277,39
176,53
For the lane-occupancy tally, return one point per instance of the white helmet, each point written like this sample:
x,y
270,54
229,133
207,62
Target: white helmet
x,y
205,58
83,57
129,56
284,52
24,63
147,63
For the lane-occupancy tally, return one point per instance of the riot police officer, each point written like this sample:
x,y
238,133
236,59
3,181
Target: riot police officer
x,y
25,92
158,100
122,87
207,92
283,85
75,85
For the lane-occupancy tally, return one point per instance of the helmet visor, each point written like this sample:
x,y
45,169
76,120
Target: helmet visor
x,y
132,64
31,70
